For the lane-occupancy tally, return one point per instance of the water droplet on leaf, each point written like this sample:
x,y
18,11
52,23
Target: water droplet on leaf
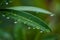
x,y
7,3
38,27
33,28
52,15
15,22
29,27
3,15
41,31
8,17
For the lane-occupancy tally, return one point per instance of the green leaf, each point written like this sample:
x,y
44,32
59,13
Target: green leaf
x,y
28,19
30,8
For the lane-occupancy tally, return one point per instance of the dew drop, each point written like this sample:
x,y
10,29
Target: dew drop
x,y
3,15
41,31
38,27
29,27
15,22
33,28
7,3
8,17
52,15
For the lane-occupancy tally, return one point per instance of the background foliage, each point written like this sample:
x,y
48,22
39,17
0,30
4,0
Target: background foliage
x,y
47,28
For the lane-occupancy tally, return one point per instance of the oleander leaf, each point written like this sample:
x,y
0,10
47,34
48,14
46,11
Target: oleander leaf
x,y
30,8
28,19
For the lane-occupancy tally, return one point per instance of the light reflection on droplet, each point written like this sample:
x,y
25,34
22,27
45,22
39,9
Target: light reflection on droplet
x,y
33,28
7,3
38,27
3,15
41,31
29,27
52,15
8,17
15,22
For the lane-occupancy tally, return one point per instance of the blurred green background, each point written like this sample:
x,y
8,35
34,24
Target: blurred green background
x,y
10,31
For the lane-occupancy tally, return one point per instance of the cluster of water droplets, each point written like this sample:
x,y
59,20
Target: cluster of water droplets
x,y
29,24
5,3
26,22
7,17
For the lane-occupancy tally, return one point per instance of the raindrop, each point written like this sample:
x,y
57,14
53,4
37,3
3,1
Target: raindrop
x,y
38,27
3,15
33,28
15,22
52,15
8,17
41,31
29,27
7,3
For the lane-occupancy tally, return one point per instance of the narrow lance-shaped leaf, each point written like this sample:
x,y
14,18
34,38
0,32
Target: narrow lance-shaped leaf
x,y
28,19
30,8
